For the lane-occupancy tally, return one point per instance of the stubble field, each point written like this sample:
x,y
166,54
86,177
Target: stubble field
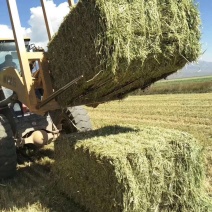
x,y
33,188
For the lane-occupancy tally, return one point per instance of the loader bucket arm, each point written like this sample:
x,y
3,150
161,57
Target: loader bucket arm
x,y
24,84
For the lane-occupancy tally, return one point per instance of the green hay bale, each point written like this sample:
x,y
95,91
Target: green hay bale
x,y
120,46
125,169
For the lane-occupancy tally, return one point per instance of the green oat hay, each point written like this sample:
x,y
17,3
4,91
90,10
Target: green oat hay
x,y
148,169
120,46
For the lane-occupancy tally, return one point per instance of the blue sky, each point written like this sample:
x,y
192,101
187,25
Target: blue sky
x,y
24,10
205,7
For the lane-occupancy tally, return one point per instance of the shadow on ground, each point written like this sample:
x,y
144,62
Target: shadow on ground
x,y
104,131
33,189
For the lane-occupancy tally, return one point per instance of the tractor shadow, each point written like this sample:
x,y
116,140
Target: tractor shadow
x,y
33,188
102,132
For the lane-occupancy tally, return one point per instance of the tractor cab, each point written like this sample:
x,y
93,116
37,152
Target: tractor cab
x,y
9,58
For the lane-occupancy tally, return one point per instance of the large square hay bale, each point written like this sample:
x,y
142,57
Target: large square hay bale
x,y
126,169
120,46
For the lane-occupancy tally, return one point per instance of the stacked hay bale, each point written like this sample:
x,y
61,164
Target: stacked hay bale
x,y
125,169
120,46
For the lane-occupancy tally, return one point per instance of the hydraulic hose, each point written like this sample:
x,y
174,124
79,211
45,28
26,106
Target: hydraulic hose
x,y
10,99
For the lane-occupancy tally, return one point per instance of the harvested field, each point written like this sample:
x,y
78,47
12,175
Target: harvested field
x,y
186,85
32,189
120,46
191,113
132,169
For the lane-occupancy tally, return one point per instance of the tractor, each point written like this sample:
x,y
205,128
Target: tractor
x,y
29,112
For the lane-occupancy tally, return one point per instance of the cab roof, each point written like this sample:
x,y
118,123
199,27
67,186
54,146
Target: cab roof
x,y
9,40
8,44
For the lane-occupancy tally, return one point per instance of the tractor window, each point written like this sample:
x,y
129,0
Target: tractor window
x,y
8,47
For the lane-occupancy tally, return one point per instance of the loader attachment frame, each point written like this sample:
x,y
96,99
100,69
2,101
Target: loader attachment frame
x,y
24,85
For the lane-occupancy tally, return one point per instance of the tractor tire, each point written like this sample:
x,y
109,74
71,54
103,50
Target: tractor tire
x,y
8,157
73,119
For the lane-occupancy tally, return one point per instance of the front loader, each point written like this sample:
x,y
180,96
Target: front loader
x,y
29,112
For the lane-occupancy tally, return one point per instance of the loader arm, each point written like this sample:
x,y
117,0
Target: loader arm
x,y
24,84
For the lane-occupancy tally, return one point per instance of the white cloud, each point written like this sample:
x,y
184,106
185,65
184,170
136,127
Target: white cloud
x,y
5,32
37,30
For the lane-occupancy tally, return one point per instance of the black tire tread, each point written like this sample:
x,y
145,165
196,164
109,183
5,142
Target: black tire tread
x,y
76,119
8,157
80,118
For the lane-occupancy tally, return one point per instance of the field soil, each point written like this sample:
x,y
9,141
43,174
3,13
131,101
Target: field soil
x,y
33,189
